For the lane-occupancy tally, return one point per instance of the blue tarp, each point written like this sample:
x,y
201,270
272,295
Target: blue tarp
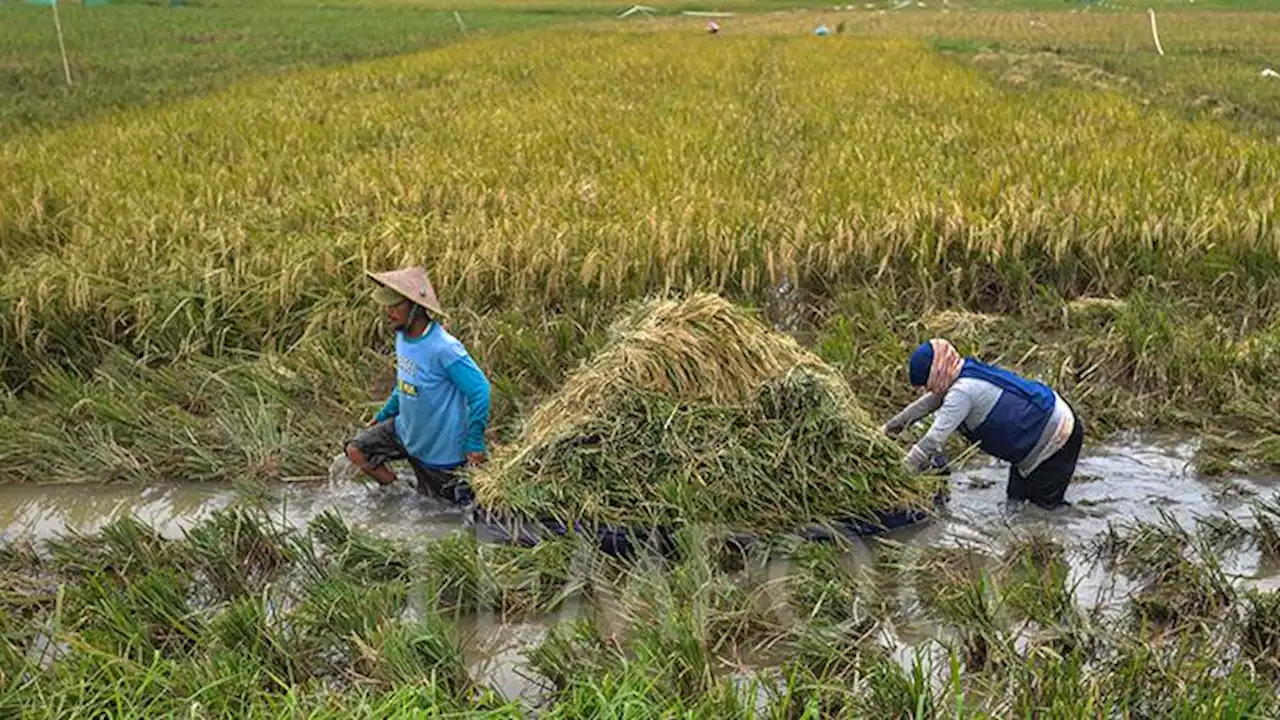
x,y
621,541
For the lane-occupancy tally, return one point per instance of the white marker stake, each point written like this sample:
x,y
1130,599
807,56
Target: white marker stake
x,y
1154,34
66,68
458,16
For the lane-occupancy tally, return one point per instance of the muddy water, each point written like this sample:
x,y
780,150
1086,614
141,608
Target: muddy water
x,y
1139,479
1128,480
43,512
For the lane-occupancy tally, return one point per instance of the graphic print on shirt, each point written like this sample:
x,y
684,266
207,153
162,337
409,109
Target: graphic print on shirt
x,y
408,369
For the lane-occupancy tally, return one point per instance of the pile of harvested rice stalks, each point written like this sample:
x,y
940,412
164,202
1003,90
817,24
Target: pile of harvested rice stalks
x,y
696,412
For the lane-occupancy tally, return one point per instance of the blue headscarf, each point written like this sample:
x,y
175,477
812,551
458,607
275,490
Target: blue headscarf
x,y
921,361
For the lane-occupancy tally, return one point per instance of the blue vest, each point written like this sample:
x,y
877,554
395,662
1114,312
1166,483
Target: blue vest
x,y
1014,425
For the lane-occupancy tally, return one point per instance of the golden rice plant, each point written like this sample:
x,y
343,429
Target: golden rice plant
x,y
535,171
549,179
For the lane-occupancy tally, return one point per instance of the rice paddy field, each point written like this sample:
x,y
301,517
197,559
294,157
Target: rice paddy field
x,y
187,341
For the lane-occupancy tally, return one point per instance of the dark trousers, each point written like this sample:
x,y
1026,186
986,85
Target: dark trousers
x,y
1047,484
380,444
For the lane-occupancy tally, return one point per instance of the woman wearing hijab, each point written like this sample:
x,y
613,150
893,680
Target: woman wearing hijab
x,y
1020,421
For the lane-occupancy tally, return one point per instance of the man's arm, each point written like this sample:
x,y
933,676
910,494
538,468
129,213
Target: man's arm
x,y
389,409
955,408
466,375
926,404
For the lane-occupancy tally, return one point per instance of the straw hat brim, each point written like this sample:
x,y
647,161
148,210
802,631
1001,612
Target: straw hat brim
x,y
384,295
412,283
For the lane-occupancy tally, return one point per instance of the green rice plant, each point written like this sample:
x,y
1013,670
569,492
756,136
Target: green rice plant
x,y
518,582
725,612
674,652
1183,681
659,667
245,631
150,614
27,590
18,556
460,574
824,587
574,649
837,651
1033,579
236,552
799,694
15,644
452,573
1143,550
425,652
125,547
956,587
899,692
1260,631
225,683
358,553
633,693
334,609
196,419
685,635
676,657
1222,534
1188,597
1049,684
412,700
1183,583
1266,518
1238,452
844,671
971,607
678,624
91,683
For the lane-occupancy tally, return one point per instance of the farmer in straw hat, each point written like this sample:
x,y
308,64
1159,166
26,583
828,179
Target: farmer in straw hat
x,y
437,414
1022,422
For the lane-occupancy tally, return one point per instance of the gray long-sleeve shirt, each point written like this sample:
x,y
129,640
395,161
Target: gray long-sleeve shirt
x,y
968,402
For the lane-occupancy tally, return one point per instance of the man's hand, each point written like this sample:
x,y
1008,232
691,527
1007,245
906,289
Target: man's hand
x,y
475,459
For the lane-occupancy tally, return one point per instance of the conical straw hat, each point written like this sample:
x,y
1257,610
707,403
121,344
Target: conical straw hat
x,y
413,284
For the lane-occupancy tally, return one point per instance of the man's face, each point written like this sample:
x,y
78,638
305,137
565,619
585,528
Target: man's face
x,y
398,315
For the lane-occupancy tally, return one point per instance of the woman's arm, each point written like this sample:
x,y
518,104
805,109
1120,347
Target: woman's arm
x,y
913,412
955,408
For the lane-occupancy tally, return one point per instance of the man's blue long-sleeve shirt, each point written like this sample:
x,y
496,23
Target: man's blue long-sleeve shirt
x,y
441,400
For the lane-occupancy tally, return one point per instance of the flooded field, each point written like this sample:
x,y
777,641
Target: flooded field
x,y
1134,480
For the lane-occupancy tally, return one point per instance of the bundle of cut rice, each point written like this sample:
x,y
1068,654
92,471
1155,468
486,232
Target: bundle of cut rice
x,y
696,412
